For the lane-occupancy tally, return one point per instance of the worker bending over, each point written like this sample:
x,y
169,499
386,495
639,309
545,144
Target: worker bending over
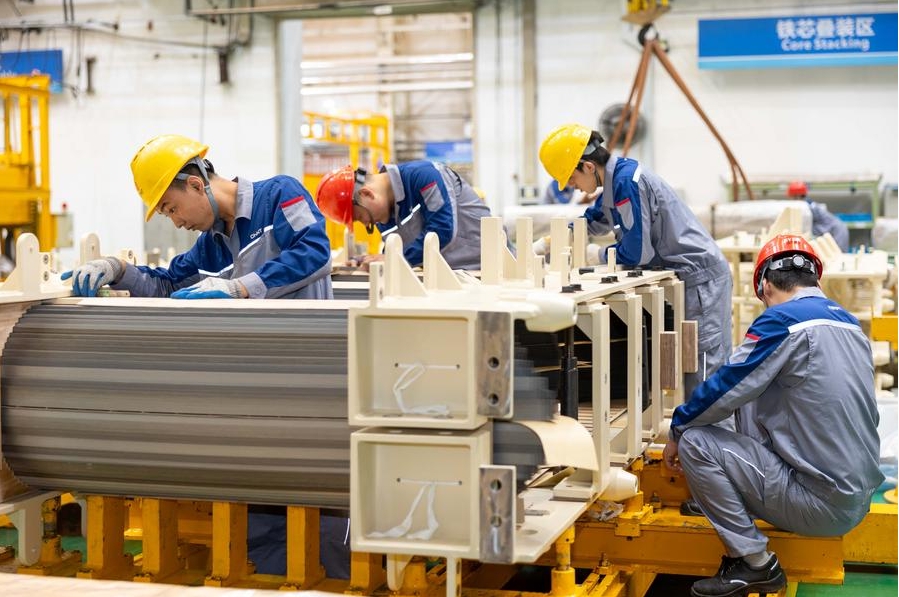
x,y
806,450
822,220
652,227
409,199
261,239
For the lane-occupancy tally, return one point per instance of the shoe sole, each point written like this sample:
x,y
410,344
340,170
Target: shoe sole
x,y
771,586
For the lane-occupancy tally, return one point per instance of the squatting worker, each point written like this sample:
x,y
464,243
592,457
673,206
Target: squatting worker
x,y
806,451
262,239
409,199
652,227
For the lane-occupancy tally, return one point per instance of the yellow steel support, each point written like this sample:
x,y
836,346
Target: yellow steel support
x,y
608,582
106,557
366,573
563,584
884,328
25,158
160,540
52,561
652,539
415,577
873,541
304,569
674,544
229,544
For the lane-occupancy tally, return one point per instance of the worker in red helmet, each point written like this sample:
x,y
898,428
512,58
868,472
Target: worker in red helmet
x,y
806,451
822,220
409,199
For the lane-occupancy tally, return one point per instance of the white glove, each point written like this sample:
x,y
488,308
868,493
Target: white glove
x,y
541,245
211,288
88,278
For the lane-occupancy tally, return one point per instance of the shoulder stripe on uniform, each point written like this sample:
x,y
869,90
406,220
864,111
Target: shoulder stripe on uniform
x,y
290,202
816,322
430,185
622,202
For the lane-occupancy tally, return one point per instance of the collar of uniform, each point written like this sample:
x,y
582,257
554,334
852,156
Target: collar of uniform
x,y
396,183
808,291
244,199
243,204
607,176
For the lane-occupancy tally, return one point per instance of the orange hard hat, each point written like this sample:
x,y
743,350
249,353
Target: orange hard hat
x,y
797,188
780,246
335,195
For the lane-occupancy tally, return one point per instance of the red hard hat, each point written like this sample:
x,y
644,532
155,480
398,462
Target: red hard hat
x,y
797,188
783,244
335,195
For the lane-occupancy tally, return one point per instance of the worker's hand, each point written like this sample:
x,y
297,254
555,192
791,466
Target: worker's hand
x,y
88,278
212,288
365,261
669,455
541,245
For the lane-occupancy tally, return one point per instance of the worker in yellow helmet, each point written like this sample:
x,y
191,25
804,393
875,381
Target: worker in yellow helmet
x,y
652,227
261,239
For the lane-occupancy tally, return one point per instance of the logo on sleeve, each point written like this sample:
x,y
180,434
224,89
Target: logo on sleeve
x,y
253,235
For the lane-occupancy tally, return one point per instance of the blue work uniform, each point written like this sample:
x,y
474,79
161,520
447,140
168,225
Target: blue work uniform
x,y
277,249
807,460
653,227
431,197
554,194
823,221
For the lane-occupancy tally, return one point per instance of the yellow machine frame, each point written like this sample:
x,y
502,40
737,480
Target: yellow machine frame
x,y
368,142
25,159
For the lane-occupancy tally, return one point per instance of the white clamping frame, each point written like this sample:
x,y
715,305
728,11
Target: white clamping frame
x,y
413,368
417,491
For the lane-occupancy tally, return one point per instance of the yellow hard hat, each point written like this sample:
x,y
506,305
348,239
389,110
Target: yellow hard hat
x,y
562,149
156,163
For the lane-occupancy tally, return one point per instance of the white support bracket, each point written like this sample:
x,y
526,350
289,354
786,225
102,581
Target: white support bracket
x,y
32,280
629,308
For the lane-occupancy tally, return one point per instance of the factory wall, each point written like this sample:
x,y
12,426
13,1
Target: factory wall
x,y
823,122
151,76
784,122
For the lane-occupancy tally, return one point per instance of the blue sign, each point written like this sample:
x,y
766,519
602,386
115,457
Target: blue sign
x,y
29,62
806,40
458,152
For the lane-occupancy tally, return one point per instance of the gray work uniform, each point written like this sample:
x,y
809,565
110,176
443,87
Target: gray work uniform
x,y
823,221
807,462
653,227
431,197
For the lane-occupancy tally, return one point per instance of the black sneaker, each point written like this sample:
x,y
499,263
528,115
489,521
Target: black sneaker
x,y
735,578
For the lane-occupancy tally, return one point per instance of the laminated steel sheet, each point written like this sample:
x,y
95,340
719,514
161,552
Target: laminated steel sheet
x,y
230,404
233,404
